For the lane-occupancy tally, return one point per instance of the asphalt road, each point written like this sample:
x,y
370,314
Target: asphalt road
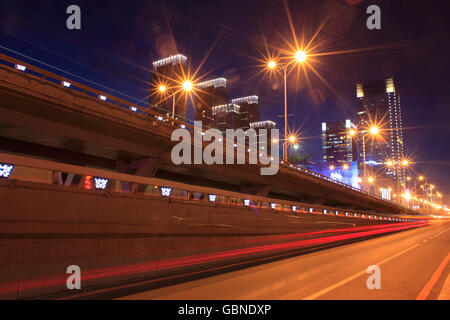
x,y
413,264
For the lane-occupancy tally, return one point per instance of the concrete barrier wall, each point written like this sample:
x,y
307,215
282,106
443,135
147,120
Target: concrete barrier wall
x,y
45,228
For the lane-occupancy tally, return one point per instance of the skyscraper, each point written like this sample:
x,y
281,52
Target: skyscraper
x,y
338,146
210,93
249,110
268,125
168,73
379,103
226,116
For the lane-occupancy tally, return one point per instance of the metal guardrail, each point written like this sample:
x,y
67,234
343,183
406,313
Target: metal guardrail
x,y
21,66
19,168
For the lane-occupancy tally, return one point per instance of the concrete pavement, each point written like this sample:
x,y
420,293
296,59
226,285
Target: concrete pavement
x,y
408,261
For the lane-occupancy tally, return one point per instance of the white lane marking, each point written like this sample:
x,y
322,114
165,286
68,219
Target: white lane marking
x,y
342,282
438,234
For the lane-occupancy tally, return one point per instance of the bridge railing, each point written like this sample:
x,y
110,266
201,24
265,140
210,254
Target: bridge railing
x,y
19,168
68,84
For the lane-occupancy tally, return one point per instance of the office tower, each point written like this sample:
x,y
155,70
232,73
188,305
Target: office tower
x,y
209,94
226,116
338,146
169,74
379,103
249,111
268,125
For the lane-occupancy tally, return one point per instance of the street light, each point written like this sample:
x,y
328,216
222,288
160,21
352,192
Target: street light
x,y
374,131
300,56
187,86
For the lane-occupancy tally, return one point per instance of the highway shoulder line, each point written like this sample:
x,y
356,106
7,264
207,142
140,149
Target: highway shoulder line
x,y
423,295
342,282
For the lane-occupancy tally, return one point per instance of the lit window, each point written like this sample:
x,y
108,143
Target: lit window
x,y
20,67
66,84
212,197
273,205
103,98
5,170
246,202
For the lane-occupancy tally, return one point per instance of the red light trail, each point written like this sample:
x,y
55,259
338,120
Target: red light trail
x,y
359,232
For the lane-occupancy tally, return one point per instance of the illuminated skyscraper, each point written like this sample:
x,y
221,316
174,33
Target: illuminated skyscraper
x,y
379,102
249,110
338,146
209,94
169,73
226,116
268,125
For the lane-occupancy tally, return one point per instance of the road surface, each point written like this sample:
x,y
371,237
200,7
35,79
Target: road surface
x,y
414,264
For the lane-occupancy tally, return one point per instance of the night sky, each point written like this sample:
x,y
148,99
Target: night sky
x,y
119,40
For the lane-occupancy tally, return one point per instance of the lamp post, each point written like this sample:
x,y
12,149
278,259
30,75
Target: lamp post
x,y
300,57
374,131
187,87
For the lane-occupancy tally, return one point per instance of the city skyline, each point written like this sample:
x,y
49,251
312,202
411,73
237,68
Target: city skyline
x,y
234,55
229,154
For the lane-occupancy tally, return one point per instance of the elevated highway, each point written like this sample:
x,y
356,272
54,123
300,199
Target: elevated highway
x,y
45,117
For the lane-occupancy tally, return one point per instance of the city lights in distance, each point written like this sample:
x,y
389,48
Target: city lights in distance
x,y
212,198
272,64
162,88
292,139
345,167
5,170
352,132
371,179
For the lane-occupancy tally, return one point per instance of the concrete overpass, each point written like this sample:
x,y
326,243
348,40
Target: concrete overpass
x,y
42,116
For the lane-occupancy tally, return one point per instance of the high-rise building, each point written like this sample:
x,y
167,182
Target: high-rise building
x,y
379,103
169,74
209,94
249,110
268,125
338,146
226,116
